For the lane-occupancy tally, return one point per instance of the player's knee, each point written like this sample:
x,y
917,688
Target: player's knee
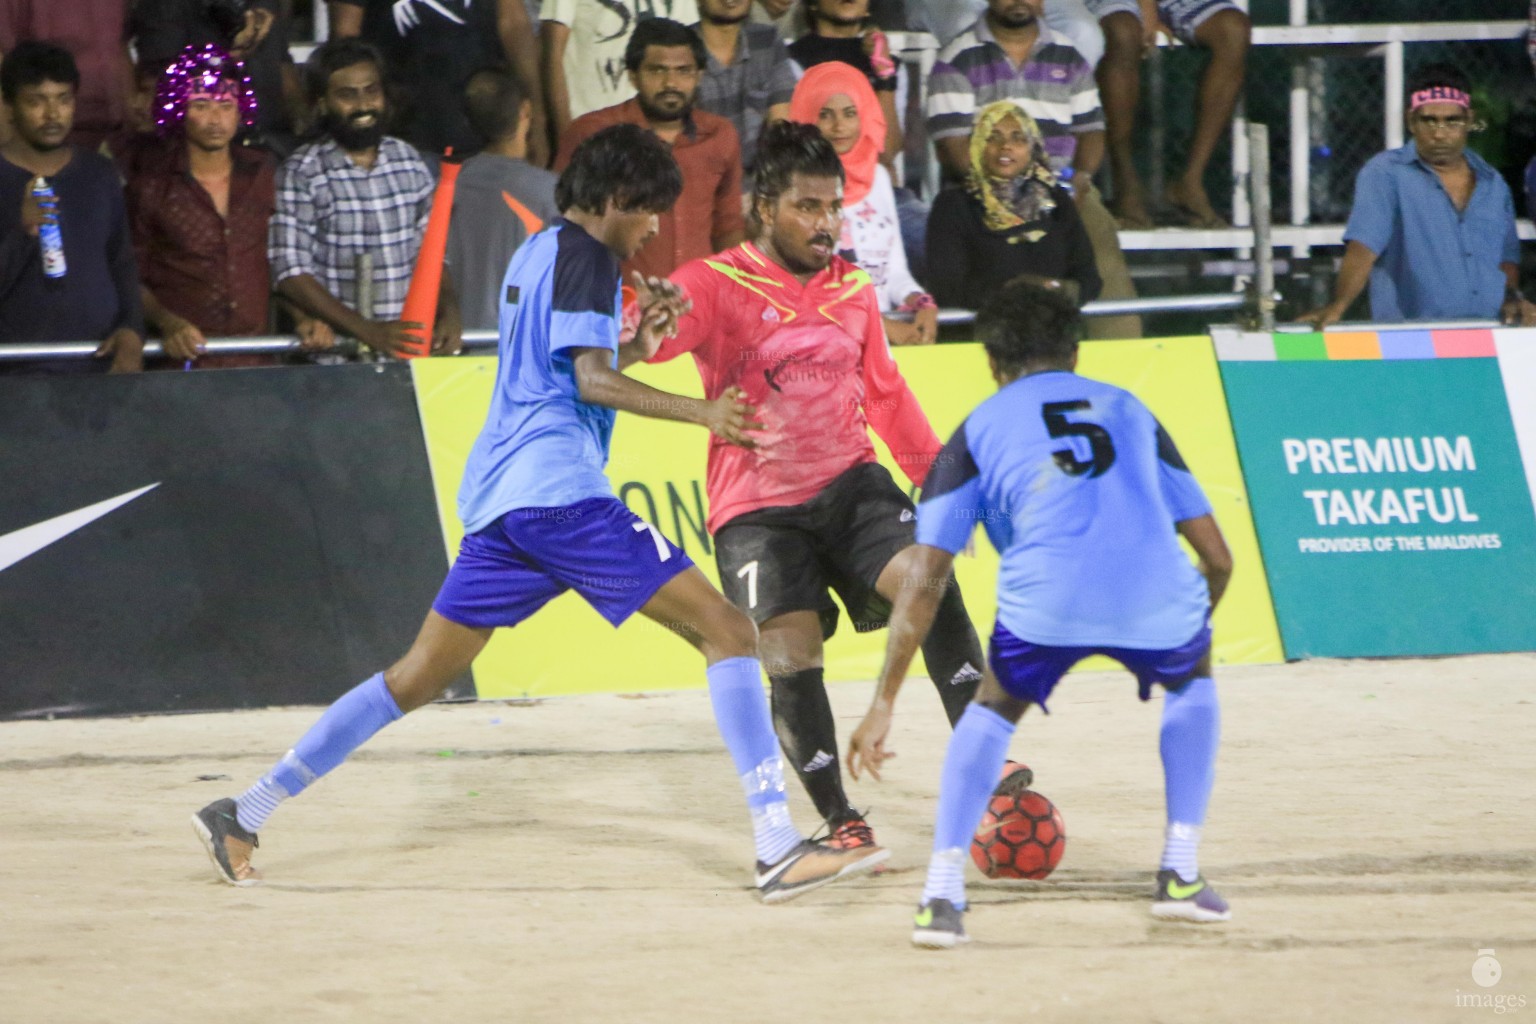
x,y
1227,34
1122,38
729,633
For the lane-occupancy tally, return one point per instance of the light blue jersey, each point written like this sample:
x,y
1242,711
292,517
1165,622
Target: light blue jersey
x,y
542,446
1079,488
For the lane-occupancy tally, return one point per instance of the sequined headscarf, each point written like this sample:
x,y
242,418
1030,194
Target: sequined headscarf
x,y
1012,202
201,69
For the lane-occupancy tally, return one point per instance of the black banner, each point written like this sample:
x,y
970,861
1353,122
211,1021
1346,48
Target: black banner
x,y
210,540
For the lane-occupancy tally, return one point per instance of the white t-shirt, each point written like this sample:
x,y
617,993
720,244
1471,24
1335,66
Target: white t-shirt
x,y
872,232
595,76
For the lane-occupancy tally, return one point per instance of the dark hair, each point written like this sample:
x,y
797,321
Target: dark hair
x,y
663,32
33,62
1030,320
493,102
624,164
787,148
335,55
1441,74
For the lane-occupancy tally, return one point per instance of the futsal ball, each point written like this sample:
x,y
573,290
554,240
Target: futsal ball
x,y
1021,836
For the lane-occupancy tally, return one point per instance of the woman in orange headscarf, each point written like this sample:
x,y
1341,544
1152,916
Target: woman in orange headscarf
x,y
837,98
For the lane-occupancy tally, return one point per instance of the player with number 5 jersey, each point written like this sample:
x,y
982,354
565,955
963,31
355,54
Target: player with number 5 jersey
x,y
1085,497
540,517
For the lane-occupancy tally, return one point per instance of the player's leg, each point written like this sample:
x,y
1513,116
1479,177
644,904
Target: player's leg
x,y
1119,77
1188,739
802,713
442,652
769,568
951,650
787,865
1021,674
491,583
1227,35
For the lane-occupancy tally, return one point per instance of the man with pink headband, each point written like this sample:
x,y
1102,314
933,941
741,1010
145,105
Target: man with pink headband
x,y
1433,226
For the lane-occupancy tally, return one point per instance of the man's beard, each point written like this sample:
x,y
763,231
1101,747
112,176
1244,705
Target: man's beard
x,y
715,19
1014,19
354,138
657,114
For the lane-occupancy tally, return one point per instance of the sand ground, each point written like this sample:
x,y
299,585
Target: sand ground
x,y
587,859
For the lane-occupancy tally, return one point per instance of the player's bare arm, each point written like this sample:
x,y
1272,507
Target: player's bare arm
x,y
1211,548
728,416
922,572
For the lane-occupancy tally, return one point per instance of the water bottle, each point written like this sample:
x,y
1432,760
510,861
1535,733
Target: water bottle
x,y
49,236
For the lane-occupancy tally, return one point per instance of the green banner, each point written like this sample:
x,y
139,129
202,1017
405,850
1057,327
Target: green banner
x,y
1391,506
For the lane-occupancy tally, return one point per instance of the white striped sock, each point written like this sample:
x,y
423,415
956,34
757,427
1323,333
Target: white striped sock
x,y
255,805
773,832
946,877
1181,850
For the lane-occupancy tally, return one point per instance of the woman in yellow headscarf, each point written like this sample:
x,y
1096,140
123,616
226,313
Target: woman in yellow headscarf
x,y
1012,217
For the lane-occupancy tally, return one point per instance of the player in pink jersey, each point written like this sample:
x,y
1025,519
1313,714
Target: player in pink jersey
x,y
808,511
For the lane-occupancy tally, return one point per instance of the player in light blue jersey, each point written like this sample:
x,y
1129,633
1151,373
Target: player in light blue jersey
x,y
1084,496
540,517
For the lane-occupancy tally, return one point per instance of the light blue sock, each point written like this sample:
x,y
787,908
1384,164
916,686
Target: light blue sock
x,y
972,764
345,726
741,713
1191,731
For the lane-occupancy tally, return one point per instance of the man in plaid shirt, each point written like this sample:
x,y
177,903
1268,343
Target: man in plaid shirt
x,y
355,191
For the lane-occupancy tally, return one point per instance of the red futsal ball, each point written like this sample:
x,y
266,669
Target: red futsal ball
x,y
1021,836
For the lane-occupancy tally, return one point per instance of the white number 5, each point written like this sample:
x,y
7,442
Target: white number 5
x,y
750,572
663,553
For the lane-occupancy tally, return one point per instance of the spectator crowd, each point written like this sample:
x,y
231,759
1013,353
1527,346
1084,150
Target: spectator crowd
x,y
202,185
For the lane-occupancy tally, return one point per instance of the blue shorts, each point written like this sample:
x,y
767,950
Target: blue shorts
x,y
1031,671
1181,16
518,564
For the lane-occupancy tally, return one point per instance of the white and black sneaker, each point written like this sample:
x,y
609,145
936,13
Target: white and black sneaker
x,y
810,866
939,924
216,825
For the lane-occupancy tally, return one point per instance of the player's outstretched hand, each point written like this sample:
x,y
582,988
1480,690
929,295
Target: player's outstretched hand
x,y
866,748
730,417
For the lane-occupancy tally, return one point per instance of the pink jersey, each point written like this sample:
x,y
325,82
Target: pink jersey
x,y
813,360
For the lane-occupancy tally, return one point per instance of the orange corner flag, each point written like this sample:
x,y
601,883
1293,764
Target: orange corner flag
x,y
427,279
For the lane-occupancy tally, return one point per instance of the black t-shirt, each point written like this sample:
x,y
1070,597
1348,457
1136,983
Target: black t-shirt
x,y
810,50
429,56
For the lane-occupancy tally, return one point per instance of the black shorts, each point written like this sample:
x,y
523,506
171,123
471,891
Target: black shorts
x,y
787,559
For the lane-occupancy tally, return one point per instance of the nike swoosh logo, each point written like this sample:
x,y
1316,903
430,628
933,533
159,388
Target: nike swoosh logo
x,y
1184,892
790,859
924,917
29,540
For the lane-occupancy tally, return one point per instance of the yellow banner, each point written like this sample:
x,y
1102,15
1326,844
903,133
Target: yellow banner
x,y
657,469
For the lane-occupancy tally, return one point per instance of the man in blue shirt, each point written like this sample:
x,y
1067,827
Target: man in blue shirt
x,y
1433,226
540,517
1085,496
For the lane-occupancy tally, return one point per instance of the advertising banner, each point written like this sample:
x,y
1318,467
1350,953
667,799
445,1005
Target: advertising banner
x,y
1392,509
210,540
657,469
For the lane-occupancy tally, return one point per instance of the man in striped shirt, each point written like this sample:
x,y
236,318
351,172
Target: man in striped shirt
x,y
1010,53
355,191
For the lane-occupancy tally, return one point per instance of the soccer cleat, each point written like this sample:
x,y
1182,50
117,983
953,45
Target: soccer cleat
x,y
229,846
812,865
1178,900
851,835
939,925
1015,778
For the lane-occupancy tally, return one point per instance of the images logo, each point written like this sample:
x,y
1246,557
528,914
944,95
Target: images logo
x,y
1486,973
